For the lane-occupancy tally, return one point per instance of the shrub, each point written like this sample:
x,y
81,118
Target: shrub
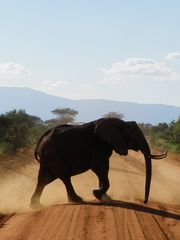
x,y
18,130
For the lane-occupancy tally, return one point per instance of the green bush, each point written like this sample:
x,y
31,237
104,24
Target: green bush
x,y
18,130
163,135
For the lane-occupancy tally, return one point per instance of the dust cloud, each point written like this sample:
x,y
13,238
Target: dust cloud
x,y
126,175
17,185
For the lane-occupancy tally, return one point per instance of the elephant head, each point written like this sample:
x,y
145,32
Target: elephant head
x,y
123,136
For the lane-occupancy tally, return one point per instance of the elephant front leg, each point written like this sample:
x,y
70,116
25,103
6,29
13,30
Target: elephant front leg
x,y
71,194
100,193
101,169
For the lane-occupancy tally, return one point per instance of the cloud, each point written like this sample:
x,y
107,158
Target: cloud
x,y
138,68
173,56
52,85
60,83
13,70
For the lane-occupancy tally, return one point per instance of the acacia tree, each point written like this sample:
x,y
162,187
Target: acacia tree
x,y
113,115
63,115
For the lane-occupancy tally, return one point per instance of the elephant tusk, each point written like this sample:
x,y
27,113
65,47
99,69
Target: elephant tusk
x,y
161,156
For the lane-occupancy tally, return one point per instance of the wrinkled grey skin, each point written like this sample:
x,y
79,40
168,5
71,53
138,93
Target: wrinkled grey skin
x,y
68,150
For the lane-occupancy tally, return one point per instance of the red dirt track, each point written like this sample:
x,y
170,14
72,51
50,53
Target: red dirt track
x,y
92,221
125,219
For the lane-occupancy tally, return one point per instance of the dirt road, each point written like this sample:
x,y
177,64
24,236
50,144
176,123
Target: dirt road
x,y
93,221
125,219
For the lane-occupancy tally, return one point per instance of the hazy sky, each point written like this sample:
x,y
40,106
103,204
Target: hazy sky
x,y
122,50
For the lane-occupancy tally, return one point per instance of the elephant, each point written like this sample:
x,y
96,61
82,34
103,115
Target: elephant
x,y
67,150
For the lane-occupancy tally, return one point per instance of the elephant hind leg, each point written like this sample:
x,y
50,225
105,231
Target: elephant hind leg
x,y
44,178
71,194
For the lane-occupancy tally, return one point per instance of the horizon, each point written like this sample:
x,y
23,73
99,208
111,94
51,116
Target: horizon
x,y
118,51
90,99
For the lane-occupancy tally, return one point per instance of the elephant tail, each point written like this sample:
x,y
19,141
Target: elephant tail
x,y
40,144
36,155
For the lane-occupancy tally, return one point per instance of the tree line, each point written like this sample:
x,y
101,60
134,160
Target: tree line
x,y
19,129
163,135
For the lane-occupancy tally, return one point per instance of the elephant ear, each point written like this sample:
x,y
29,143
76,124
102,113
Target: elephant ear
x,y
111,131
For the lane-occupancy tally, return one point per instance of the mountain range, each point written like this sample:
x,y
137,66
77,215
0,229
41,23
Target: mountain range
x,y
41,104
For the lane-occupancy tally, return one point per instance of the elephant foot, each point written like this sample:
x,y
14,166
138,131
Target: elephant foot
x,y
101,196
75,199
105,197
34,204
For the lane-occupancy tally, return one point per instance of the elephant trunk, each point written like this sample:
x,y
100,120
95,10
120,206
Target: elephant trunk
x,y
147,156
148,177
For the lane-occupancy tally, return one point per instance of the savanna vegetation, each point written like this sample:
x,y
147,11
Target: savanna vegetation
x,y
20,130
164,135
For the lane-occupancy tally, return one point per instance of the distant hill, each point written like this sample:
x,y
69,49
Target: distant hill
x,y
41,104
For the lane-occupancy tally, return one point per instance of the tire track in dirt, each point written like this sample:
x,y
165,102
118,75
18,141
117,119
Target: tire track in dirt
x,y
150,228
91,223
